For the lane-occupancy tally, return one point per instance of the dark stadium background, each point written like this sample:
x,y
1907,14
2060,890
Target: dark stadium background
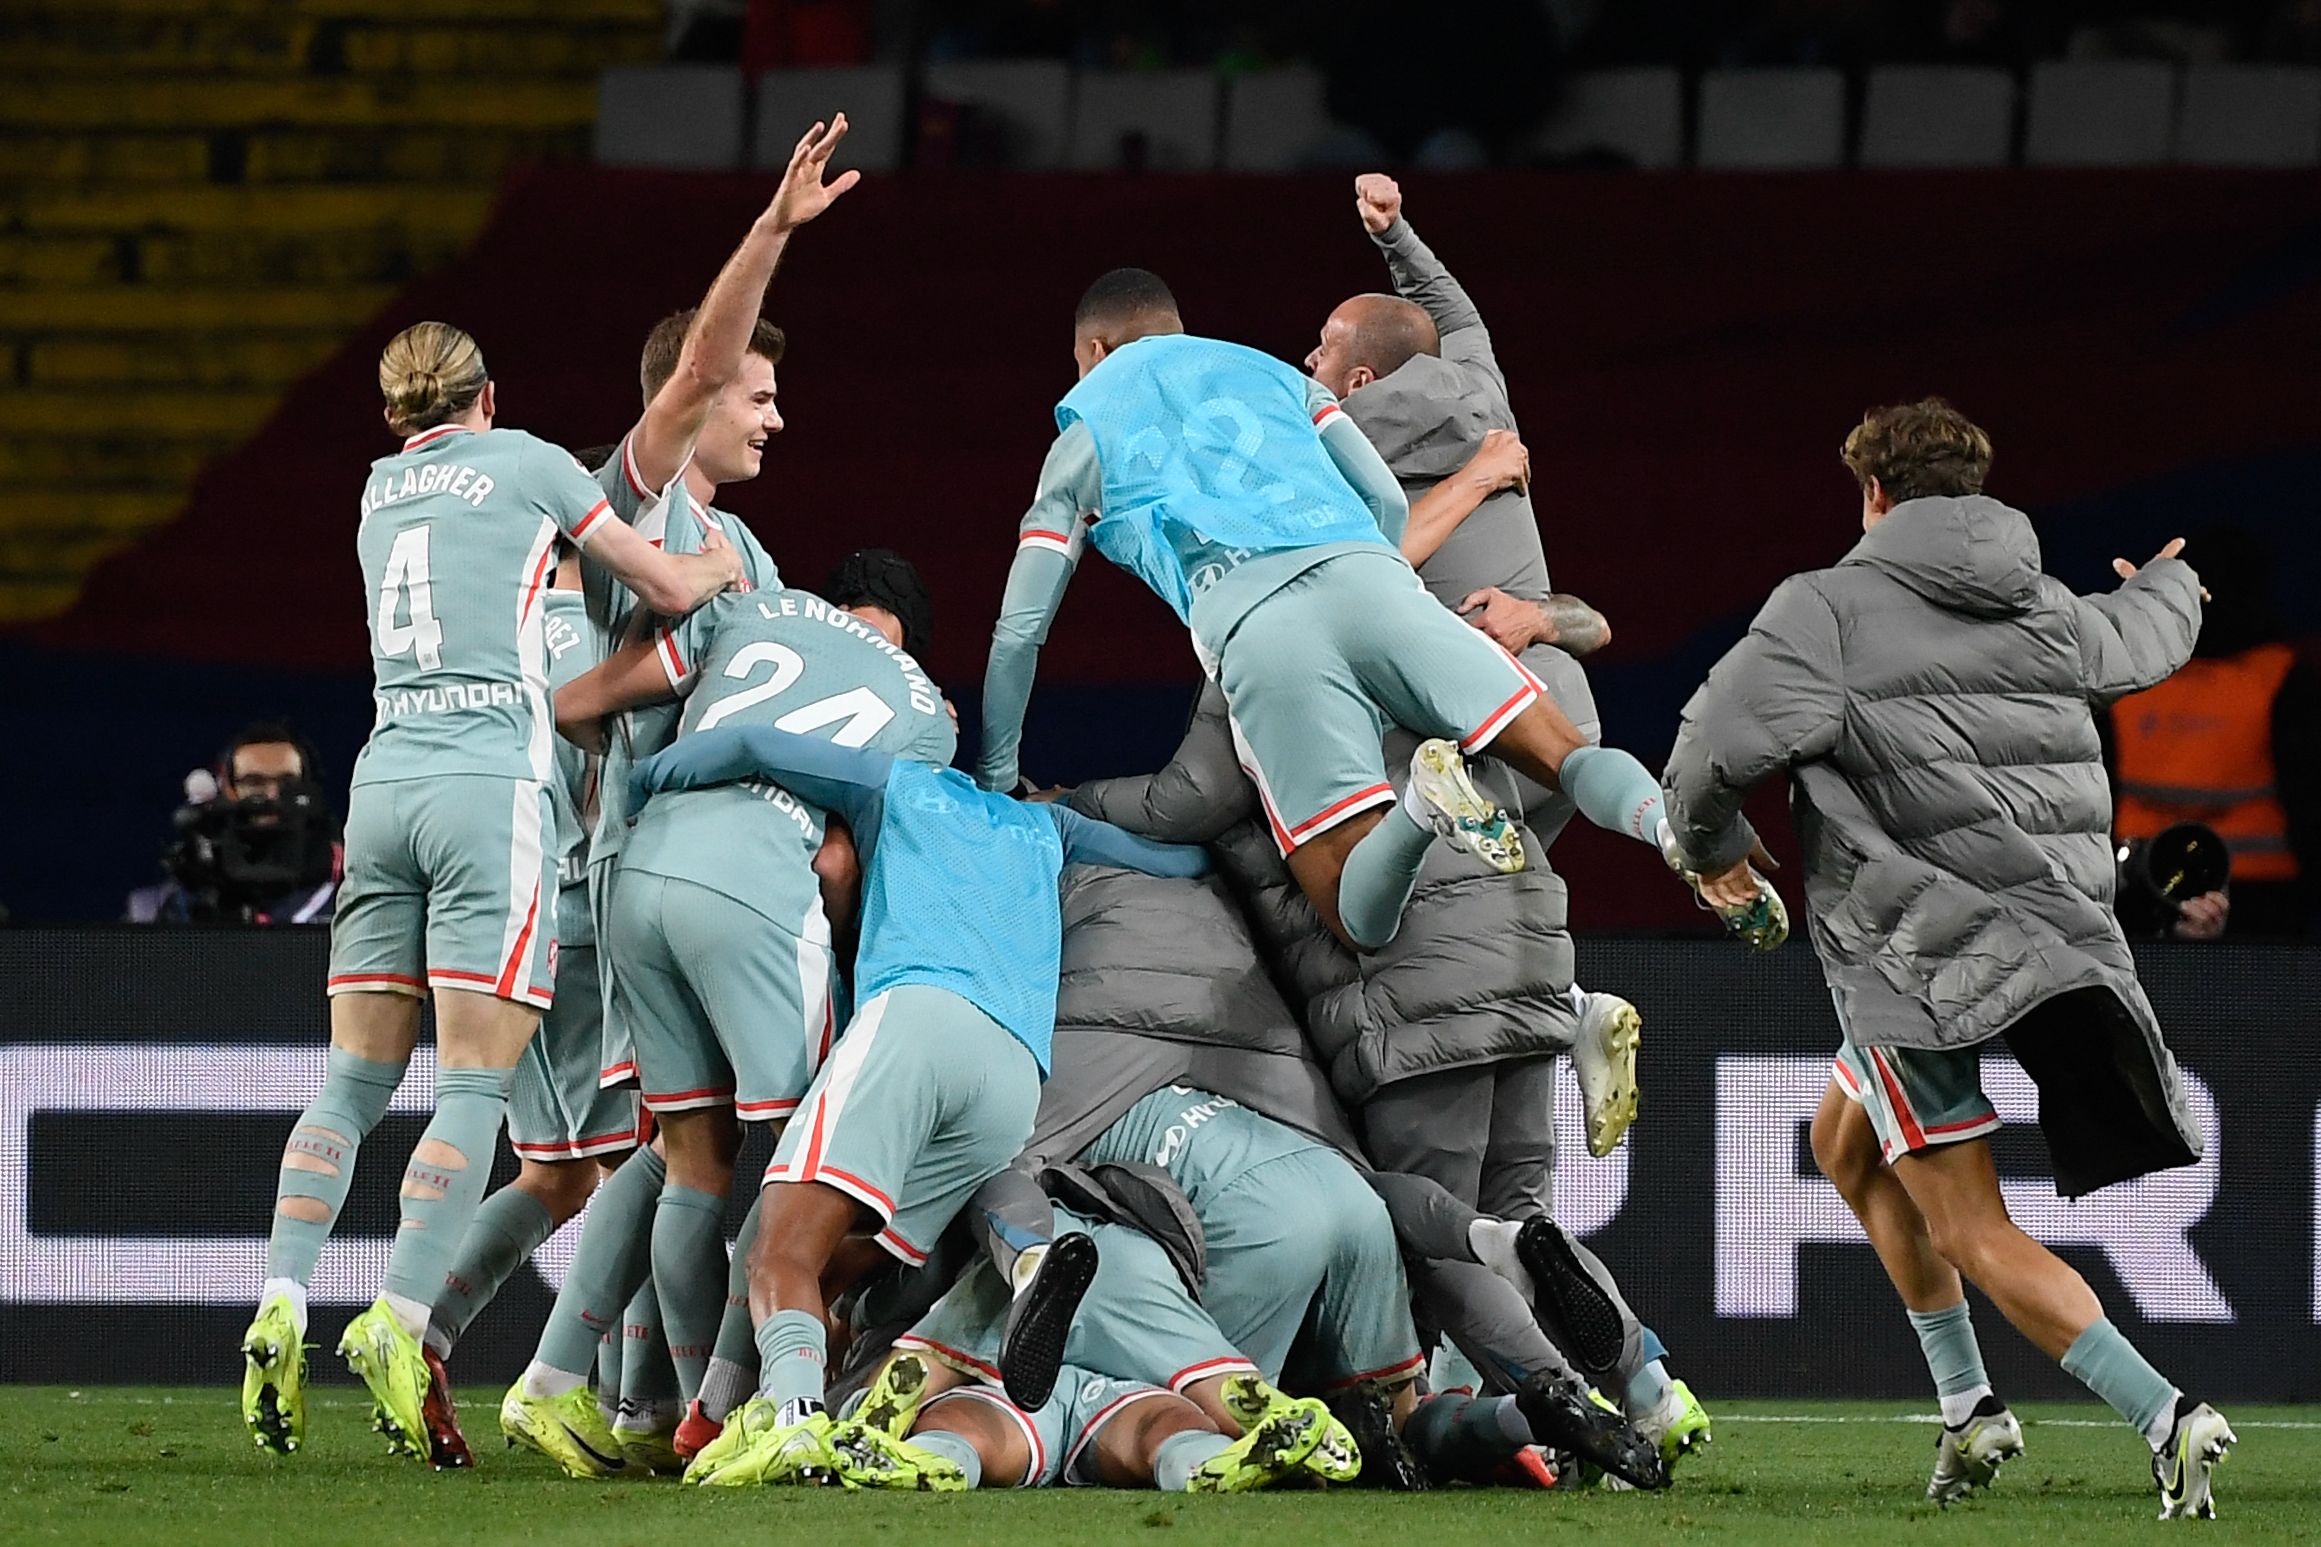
x,y
1684,353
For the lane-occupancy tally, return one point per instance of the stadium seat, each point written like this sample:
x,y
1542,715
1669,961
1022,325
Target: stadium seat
x,y
1938,117
2238,115
1274,119
1634,115
871,97
1772,120
670,115
2107,113
1162,119
1027,103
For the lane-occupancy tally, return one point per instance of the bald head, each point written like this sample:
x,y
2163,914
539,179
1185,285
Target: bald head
x,y
1120,308
1368,337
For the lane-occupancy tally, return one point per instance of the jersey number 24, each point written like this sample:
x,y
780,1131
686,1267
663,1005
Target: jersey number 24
x,y
859,713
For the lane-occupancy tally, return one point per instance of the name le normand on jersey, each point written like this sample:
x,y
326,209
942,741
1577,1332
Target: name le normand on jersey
x,y
924,698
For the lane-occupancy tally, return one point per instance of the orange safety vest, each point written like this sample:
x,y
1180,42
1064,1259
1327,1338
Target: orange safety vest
x,y
2199,748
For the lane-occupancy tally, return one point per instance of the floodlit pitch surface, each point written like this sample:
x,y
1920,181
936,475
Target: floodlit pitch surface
x,y
122,1466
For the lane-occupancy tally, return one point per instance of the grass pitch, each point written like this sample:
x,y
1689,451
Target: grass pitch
x,y
124,1467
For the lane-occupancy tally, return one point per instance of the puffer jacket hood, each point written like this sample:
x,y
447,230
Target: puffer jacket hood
x,y
1968,555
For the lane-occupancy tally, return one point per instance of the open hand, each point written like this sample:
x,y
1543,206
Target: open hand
x,y
803,195
2127,571
1378,200
2202,917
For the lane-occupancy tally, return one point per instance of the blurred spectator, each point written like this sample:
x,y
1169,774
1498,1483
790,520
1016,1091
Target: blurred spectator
x,y
257,843
2232,741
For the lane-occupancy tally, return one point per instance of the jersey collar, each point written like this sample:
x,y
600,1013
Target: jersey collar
x,y
430,437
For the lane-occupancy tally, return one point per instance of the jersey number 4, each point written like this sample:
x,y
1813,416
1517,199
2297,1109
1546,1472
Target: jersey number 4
x,y
406,588
858,713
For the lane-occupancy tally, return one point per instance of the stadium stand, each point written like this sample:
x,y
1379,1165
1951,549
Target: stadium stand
x,y
1635,116
1916,116
1772,120
789,102
680,116
196,208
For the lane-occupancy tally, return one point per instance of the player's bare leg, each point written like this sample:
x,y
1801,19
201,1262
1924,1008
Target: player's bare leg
x,y
1979,1435
782,1434
1956,1186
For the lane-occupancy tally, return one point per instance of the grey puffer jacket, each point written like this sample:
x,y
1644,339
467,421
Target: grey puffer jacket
x,y
1477,974
1932,699
1161,985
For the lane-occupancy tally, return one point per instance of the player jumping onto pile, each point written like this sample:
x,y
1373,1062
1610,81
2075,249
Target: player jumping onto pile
x,y
1242,494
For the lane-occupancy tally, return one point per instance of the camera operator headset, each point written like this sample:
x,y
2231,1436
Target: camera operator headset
x,y
257,841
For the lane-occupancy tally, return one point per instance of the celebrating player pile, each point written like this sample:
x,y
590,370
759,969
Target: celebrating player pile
x,y
1095,1167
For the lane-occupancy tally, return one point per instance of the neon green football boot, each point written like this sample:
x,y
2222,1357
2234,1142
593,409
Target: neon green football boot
x,y
274,1379
391,1363
869,1457
766,1449
568,1428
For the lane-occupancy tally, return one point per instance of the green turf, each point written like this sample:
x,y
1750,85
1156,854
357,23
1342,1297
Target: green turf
x,y
130,1467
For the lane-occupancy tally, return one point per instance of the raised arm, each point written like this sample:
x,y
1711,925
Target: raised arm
x,y
1419,275
847,780
1777,699
1359,463
718,340
2139,634
1088,841
1047,550
1197,798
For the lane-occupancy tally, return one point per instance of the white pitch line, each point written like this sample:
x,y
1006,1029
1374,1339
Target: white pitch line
x,y
1934,1418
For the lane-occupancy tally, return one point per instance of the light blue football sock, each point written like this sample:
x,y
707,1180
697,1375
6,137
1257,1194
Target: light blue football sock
x,y
954,1449
1954,1359
1380,873
2108,1365
1182,1454
1614,791
793,1356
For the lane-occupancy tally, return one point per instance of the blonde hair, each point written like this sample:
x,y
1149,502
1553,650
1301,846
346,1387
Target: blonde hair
x,y
429,374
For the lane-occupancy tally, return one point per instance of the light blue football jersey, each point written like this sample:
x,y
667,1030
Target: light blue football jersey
x,y
791,660
456,544
675,522
998,942
1208,456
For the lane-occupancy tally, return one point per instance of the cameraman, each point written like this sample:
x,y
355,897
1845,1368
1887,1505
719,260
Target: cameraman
x,y
257,843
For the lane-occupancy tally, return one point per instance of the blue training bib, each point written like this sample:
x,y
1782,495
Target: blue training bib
x,y
1208,457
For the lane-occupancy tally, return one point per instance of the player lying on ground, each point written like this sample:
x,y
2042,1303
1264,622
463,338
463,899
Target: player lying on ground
x,y
1931,699
1138,1332
450,855
934,1083
1098,1432
1240,493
